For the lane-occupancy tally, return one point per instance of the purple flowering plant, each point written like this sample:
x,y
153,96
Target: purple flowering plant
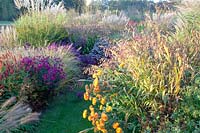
x,y
45,72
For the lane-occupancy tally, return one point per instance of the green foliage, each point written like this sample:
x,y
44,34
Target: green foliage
x,y
40,28
89,44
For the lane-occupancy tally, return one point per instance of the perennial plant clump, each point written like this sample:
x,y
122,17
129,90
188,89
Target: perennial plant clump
x,y
150,84
34,74
44,70
101,111
42,23
45,75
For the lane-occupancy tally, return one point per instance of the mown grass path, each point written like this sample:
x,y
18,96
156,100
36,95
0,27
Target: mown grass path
x,y
64,115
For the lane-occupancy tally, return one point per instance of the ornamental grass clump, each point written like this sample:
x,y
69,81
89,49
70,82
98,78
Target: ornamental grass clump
x,y
14,114
8,36
42,23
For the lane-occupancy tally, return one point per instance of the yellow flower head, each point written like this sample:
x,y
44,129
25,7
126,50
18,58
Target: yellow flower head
x,y
115,125
94,76
108,109
104,130
101,107
86,96
102,123
85,114
119,130
89,118
99,72
103,101
97,89
96,115
96,82
94,101
91,108
98,127
122,65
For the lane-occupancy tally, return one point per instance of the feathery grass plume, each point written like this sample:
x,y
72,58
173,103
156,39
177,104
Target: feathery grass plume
x,y
13,115
8,36
40,6
8,102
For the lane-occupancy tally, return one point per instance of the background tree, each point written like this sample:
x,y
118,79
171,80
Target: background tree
x,y
8,11
78,5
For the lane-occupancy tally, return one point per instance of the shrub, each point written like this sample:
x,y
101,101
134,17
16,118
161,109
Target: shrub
x,y
85,29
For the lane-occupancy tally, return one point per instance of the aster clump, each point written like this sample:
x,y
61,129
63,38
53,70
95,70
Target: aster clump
x,y
45,70
45,75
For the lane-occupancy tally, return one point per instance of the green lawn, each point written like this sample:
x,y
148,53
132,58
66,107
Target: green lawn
x,y
64,115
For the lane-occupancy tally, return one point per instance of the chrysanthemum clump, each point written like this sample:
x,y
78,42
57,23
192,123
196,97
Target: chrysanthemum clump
x,y
100,111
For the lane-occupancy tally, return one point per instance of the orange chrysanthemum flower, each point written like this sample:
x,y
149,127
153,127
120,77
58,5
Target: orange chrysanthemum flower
x,y
104,117
115,125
